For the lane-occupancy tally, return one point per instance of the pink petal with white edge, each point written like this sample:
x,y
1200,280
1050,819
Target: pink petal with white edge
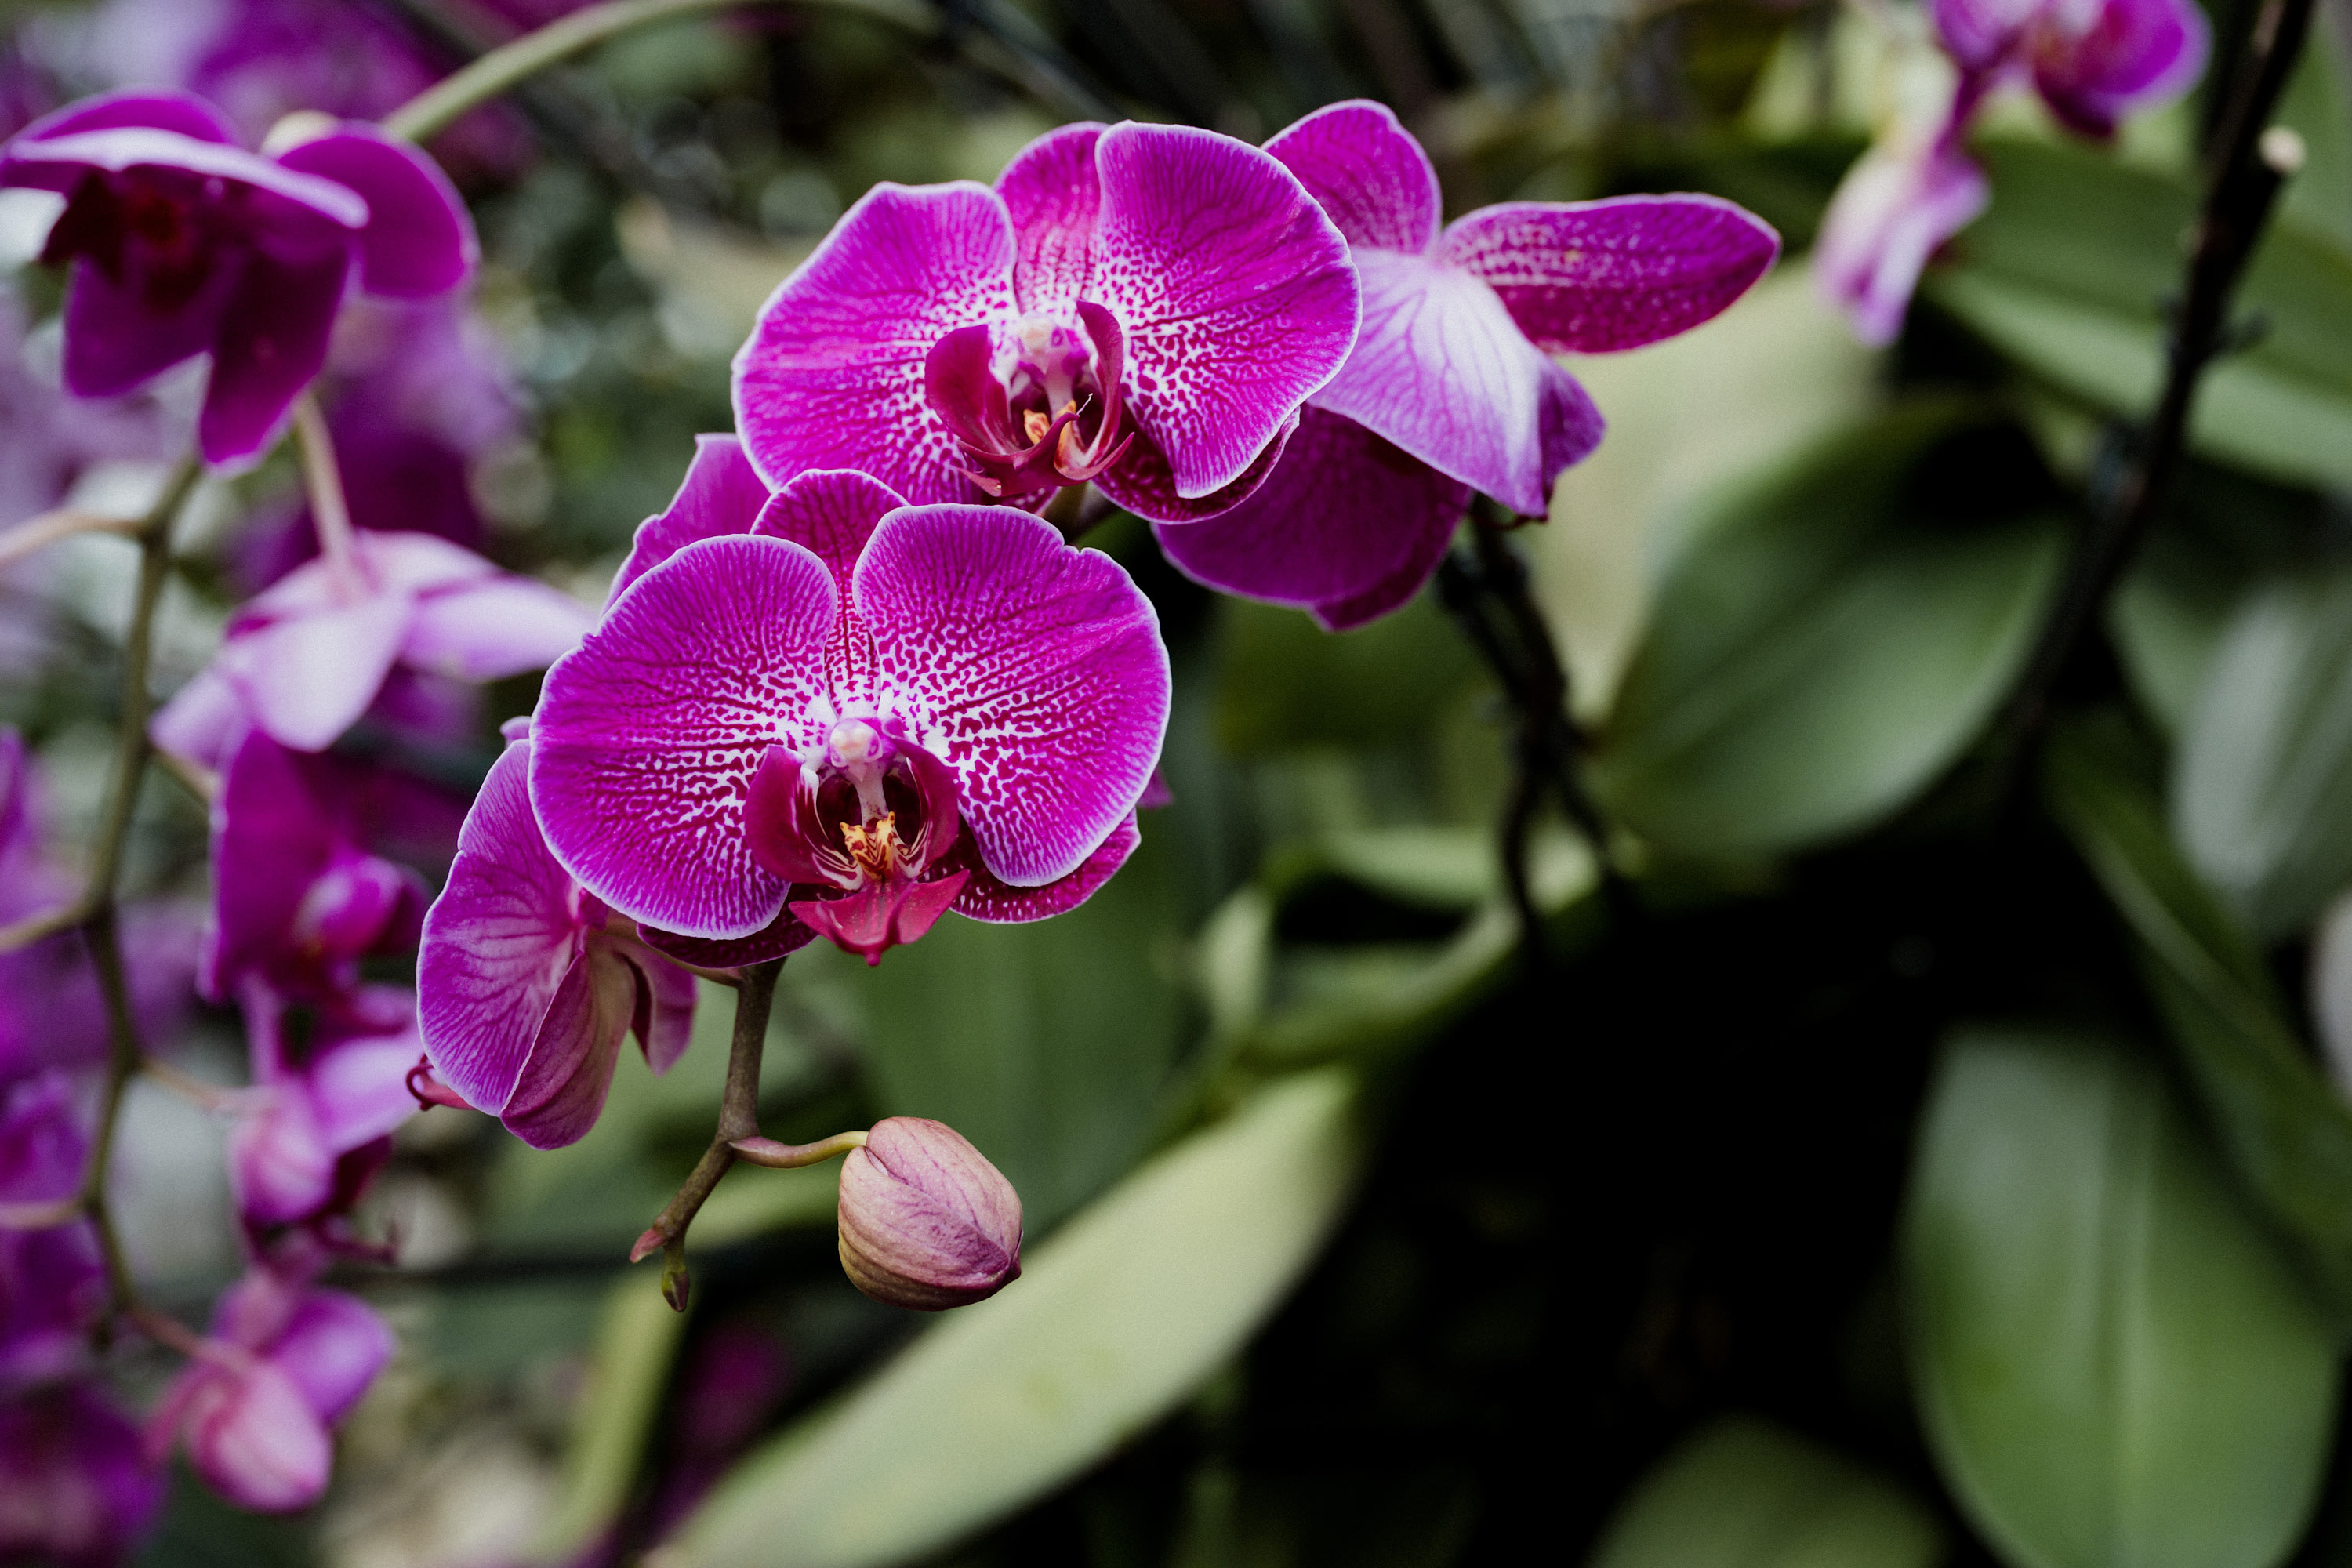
x,y
647,734
307,679
1368,173
831,376
1442,370
565,1080
497,943
1034,670
1592,277
1343,513
158,108
1051,190
721,494
1236,293
1892,212
491,629
986,899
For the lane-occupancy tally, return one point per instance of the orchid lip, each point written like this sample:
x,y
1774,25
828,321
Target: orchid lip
x,y
1035,403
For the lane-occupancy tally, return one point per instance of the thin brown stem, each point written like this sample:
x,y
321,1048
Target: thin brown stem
x,y
739,1119
322,481
39,533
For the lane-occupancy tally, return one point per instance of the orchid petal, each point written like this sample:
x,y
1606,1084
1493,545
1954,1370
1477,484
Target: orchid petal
x,y
1051,190
565,1080
831,513
271,838
201,722
648,733
880,916
359,1086
1442,371
497,943
1593,277
331,1350
831,376
1034,670
115,342
419,240
986,899
252,1438
783,935
1978,33
1236,291
271,344
407,562
280,1166
307,679
1368,173
1343,514
721,493
1142,483
1895,207
489,630
56,162
2136,54
663,1014
157,108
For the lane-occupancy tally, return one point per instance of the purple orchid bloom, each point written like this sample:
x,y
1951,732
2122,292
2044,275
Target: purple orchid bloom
x,y
1893,211
185,243
77,1486
891,711
304,660
1452,388
52,1284
283,1363
1144,307
526,982
324,1101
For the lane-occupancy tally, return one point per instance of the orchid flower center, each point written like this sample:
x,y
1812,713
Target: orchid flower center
x,y
864,807
143,227
1034,402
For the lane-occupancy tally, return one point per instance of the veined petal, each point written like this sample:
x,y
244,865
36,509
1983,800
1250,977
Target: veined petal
x,y
1236,291
307,679
2138,53
831,513
359,1086
648,734
1343,513
1592,277
1442,371
271,343
565,1078
1367,172
498,626
783,935
497,943
986,899
721,493
880,916
1034,670
419,239
1051,191
831,376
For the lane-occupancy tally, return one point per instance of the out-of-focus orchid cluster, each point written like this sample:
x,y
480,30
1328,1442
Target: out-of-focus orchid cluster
x,y
2091,62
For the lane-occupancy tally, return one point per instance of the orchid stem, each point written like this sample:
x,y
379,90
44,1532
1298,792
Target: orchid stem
x,y
778,1156
322,478
738,1121
35,535
433,110
2245,173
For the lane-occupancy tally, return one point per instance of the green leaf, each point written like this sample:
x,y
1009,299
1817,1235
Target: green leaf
x,y
1282,682
1112,1322
1742,1493
2317,103
2115,1366
2280,1124
2068,273
631,1369
1815,658
2263,786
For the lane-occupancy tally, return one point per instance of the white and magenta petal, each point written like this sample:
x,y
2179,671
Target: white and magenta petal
x,y
1236,291
986,899
831,513
831,376
1892,210
721,493
489,629
419,240
156,108
1592,277
2135,54
647,734
307,679
1368,173
1051,190
1034,670
562,1088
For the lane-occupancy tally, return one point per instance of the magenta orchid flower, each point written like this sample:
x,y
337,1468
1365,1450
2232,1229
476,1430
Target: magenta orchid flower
x,y
2092,61
1145,307
283,1363
185,243
526,982
52,1284
302,661
1452,388
324,1101
891,711
77,1486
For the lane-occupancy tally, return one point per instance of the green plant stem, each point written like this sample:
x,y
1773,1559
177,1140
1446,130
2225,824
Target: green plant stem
x,y
738,1121
2242,185
433,111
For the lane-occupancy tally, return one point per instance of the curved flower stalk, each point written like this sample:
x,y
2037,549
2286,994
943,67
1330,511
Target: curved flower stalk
x,y
527,983
1451,389
893,710
1144,307
182,242
2092,62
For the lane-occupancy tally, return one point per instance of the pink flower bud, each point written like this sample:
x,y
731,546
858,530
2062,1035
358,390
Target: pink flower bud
x,y
926,1221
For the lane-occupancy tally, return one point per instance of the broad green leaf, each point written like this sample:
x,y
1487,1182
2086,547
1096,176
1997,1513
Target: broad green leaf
x,y
1112,1322
631,1369
2262,789
1282,682
2115,1366
2068,273
2284,1128
1743,1493
2318,104
1814,657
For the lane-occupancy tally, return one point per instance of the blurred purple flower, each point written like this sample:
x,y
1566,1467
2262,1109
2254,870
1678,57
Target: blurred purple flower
x,y
77,1486
526,982
1452,388
893,710
52,1283
1145,306
284,1363
1892,212
304,660
184,243
330,1085
926,1221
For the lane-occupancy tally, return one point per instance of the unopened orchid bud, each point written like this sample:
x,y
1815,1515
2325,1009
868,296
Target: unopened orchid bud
x,y
926,1221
